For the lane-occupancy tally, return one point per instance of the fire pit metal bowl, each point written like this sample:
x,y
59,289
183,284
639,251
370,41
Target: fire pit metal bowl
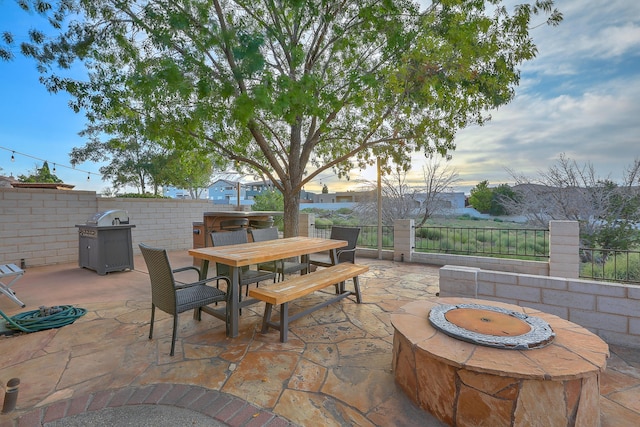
x,y
491,326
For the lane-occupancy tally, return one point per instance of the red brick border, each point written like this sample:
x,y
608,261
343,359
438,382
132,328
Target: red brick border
x,y
215,404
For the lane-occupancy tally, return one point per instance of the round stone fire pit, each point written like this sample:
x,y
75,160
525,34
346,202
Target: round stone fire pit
x,y
483,363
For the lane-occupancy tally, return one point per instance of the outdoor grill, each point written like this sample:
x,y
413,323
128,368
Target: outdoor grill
x,y
105,242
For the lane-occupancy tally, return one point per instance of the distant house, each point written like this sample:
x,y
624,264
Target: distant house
x,y
446,201
225,192
7,181
252,189
180,193
343,197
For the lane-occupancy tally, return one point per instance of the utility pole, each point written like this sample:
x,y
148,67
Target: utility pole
x,y
379,209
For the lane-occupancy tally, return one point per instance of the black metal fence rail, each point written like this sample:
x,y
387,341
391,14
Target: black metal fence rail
x,y
610,265
525,243
368,237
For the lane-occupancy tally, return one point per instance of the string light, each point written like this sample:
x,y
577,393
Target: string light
x,y
73,167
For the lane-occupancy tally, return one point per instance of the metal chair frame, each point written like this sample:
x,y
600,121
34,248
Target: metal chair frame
x,y
345,254
247,276
173,297
280,267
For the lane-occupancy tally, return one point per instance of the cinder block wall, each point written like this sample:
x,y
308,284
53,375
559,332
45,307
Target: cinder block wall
x,y
610,310
39,225
165,223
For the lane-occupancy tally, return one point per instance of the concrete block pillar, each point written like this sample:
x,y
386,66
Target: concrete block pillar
x,y
306,225
564,246
404,239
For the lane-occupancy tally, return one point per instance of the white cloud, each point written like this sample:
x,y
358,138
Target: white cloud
x,y
575,98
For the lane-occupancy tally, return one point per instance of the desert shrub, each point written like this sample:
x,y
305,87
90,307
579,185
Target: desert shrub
x,y
323,223
429,233
344,211
142,196
620,267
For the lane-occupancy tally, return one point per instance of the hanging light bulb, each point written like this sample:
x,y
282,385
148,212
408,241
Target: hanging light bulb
x,y
13,158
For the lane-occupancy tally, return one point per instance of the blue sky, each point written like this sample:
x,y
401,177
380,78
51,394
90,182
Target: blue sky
x,y
580,96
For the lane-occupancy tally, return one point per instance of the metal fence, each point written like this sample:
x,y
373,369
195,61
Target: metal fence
x,y
524,243
368,237
610,265
513,243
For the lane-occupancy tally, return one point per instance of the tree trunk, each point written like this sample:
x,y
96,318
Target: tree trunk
x,y
291,213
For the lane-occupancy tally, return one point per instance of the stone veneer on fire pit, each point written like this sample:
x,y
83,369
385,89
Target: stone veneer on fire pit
x,y
466,384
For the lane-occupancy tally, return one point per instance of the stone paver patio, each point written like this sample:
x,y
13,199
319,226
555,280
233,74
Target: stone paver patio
x,y
335,368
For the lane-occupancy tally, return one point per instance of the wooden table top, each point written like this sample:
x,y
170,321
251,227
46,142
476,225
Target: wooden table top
x,y
270,250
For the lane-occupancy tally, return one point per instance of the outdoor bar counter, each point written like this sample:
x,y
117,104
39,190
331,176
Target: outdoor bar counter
x,y
212,220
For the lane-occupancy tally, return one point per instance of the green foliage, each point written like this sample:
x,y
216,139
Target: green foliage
x,y
461,239
481,197
188,169
42,174
498,195
621,268
141,163
290,89
344,211
619,221
429,233
270,200
141,196
491,200
323,223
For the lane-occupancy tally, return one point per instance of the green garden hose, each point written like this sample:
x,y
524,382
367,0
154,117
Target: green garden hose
x,y
44,318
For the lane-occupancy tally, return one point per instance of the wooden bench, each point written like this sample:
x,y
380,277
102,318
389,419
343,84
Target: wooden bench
x,y
291,289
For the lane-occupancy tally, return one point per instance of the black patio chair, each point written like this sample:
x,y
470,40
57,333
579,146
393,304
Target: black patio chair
x,y
345,254
173,297
281,267
247,276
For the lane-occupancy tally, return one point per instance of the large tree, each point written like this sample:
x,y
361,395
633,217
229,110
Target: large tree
x,y
291,88
42,174
398,198
480,197
439,178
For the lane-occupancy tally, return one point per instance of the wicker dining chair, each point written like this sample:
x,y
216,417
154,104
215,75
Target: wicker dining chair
x,y
345,254
281,267
247,276
172,297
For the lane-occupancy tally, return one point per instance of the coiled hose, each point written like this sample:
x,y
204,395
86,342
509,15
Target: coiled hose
x,y
44,318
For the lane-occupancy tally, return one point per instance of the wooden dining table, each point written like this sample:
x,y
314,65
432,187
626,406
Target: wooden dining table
x,y
246,254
